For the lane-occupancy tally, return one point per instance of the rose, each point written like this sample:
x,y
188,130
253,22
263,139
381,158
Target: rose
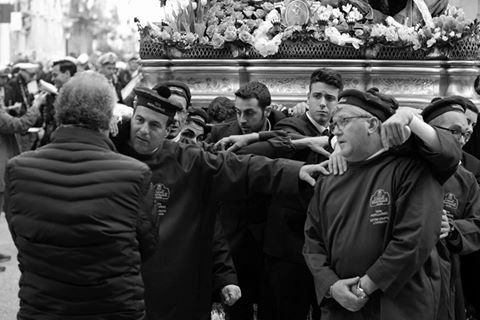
x,y
190,38
251,23
222,27
230,35
211,30
238,6
259,13
267,6
220,14
245,36
248,13
203,40
244,27
239,15
217,41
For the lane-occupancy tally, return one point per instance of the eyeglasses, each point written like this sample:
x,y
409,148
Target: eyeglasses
x,y
342,122
457,133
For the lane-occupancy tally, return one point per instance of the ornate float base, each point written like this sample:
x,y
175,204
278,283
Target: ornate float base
x,y
413,83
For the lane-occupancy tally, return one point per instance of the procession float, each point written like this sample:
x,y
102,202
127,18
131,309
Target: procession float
x,y
413,49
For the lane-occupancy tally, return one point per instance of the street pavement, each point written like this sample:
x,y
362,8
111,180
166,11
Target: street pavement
x,y
8,278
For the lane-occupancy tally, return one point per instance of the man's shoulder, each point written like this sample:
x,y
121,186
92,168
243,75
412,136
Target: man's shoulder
x,y
226,129
276,116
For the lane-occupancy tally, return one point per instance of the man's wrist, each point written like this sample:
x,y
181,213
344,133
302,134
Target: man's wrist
x,y
253,137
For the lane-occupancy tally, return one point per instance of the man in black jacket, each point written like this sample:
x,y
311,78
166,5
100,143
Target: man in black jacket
x,y
245,231
187,180
80,215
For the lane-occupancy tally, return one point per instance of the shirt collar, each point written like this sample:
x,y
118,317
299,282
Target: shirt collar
x,y
319,127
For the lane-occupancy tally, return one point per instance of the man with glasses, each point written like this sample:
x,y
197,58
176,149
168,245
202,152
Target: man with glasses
x,y
370,233
461,204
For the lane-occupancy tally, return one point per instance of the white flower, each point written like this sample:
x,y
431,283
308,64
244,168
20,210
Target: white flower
x,y
431,42
203,3
265,46
346,8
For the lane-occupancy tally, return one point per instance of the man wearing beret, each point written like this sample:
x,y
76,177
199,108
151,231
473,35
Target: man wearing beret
x,y
178,277
460,231
372,254
180,95
195,128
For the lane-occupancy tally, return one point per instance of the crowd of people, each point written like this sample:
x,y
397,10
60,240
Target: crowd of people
x,y
347,206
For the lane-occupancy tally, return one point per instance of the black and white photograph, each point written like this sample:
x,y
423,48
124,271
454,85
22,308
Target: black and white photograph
x,y
239,160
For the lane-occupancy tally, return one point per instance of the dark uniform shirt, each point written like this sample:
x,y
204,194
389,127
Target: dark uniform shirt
x,y
381,218
178,277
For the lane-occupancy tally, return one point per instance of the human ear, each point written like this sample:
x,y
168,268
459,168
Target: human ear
x,y
267,111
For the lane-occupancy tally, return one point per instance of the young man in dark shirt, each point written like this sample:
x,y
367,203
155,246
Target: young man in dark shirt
x,y
372,254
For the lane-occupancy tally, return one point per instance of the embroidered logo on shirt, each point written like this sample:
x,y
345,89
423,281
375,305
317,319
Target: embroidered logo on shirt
x,y
450,201
162,194
380,198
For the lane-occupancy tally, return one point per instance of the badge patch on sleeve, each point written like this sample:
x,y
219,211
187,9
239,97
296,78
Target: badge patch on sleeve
x,y
162,194
380,201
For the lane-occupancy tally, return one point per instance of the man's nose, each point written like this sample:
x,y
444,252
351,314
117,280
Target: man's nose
x,y
144,129
242,118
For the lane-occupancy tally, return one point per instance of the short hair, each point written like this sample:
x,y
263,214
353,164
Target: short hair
x,y
86,100
327,76
221,109
257,90
66,65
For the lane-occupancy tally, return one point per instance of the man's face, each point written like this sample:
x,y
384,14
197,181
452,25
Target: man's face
x,y
250,116
351,130
456,122
148,130
471,119
60,78
193,132
108,70
322,101
180,116
133,65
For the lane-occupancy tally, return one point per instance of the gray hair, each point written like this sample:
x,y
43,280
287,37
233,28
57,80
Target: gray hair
x,y
86,100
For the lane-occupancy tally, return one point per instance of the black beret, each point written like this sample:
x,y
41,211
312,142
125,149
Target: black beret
x,y
197,115
379,105
440,106
150,99
178,88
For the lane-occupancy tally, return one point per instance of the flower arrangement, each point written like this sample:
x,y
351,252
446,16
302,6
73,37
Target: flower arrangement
x,y
242,25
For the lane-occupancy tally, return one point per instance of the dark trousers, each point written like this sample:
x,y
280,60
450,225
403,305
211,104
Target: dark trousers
x,y
289,291
248,258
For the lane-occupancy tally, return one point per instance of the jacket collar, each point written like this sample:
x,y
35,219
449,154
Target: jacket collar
x,y
74,134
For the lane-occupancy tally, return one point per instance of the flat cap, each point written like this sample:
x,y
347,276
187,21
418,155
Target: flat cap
x,y
380,105
150,99
178,88
440,106
108,57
